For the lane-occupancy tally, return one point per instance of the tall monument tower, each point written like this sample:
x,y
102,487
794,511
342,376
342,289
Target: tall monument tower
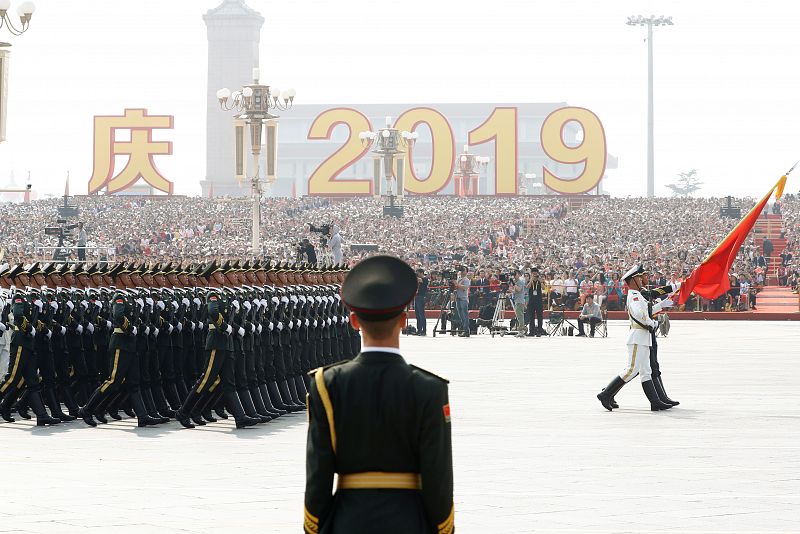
x,y
234,31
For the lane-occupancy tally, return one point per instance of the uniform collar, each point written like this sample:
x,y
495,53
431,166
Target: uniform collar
x,y
383,355
390,350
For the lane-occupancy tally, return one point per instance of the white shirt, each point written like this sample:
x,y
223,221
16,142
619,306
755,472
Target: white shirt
x,y
571,284
391,350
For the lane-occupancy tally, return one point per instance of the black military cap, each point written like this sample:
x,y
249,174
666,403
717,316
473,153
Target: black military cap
x,y
16,270
379,288
209,269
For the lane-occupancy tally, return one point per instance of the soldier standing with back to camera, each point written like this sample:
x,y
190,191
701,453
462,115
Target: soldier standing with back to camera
x,y
381,424
535,304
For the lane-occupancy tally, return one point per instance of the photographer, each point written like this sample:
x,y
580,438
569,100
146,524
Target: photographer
x,y
82,237
590,313
419,302
520,299
462,301
305,248
336,245
535,304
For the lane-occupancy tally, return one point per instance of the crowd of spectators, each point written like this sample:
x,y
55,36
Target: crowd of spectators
x,y
578,251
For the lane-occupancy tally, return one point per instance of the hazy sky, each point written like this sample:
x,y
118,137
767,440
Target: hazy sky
x,y
726,76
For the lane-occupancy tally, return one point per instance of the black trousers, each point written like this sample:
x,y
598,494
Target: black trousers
x,y
419,314
124,371
81,253
593,321
22,371
240,370
654,367
218,366
536,312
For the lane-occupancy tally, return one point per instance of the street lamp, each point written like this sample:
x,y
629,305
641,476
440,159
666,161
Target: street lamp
x,y
24,11
469,167
252,104
389,142
652,20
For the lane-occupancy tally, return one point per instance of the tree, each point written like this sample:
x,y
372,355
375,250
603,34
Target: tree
x,y
688,183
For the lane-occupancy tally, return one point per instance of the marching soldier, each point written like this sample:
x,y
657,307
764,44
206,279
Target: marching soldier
x,y
639,342
381,424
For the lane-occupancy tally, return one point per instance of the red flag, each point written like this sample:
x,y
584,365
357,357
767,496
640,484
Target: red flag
x,y
710,278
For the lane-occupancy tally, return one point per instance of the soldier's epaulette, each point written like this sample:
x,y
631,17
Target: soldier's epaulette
x,y
311,372
446,381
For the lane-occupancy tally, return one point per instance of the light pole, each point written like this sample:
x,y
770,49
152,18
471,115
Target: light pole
x,y
469,167
252,103
25,13
652,20
389,142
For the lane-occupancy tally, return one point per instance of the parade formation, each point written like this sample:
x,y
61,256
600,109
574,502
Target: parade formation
x,y
168,341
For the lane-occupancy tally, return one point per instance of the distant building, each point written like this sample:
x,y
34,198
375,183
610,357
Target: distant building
x,y
234,32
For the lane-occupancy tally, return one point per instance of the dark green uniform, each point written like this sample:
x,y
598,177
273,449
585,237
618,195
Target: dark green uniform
x,y
384,426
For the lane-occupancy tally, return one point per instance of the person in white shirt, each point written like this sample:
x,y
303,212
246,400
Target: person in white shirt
x,y
570,290
556,291
639,341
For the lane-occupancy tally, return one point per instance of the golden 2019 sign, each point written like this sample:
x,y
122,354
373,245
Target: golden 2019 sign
x,y
500,127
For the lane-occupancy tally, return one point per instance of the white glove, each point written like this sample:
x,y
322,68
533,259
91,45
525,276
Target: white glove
x,y
186,302
252,328
54,305
315,323
108,325
271,326
155,332
275,300
291,324
200,325
80,329
180,327
240,332
33,332
175,305
260,329
318,299
149,301
134,331
247,305
171,328
140,302
193,325
302,299
98,304
338,297
307,322
235,304
328,321
336,319
197,301
63,330
294,299
346,319
667,303
147,330
90,328
160,304
676,286
39,304
284,299
49,334
280,325
229,330
70,305
85,304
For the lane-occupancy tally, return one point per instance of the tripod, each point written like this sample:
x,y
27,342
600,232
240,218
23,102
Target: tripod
x,y
503,303
444,302
558,320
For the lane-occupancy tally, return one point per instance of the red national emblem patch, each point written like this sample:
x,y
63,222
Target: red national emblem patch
x,y
446,410
120,301
635,298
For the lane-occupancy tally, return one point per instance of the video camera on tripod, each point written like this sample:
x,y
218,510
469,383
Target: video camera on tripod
x,y
324,231
64,232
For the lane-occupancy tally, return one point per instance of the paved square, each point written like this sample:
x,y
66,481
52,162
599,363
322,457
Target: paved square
x,y
534,450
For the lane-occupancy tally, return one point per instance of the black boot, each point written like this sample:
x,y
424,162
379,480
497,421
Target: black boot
x,y
161,401
219,405
290,391
171,391
258,402
88,409
69,401
113,406
655,403
663,394
262,388
275,397
55,406
42,417
150,406
606,396
234,405
249,407
300,386
141,412
183,414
